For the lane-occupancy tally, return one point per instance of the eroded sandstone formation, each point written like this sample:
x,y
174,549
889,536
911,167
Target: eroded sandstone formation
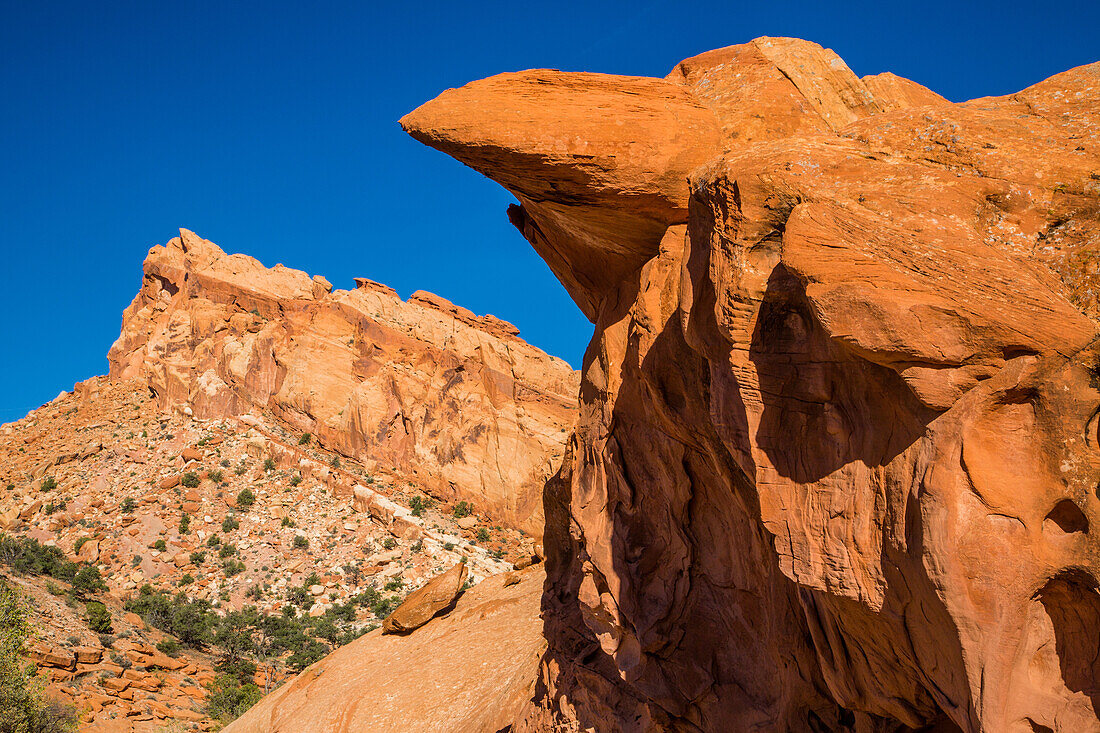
x,y
837,459
421,386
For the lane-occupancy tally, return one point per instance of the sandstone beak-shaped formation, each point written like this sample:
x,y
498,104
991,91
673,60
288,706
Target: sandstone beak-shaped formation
x,y
837,458
598,162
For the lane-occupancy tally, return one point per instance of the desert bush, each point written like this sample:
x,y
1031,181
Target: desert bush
x,y
304,440
245,498
229,524
23,706
463,509
190,480
98,617
300,541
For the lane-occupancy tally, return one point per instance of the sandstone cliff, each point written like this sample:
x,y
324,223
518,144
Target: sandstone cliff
x,y
837,458
422,387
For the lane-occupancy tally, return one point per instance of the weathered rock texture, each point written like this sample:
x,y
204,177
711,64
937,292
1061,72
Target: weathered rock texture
x,y
471,670
421,386
837,460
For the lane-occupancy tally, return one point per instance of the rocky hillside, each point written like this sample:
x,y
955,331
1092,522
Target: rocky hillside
x,y
235,513
422,386
836,460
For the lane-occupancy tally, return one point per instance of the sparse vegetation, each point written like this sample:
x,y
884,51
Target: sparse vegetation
x,y
269,465
128,505
463,509
190,480
217,476
160,546
300,541
229,524
49,483
99,618
245,498
23,705
304,440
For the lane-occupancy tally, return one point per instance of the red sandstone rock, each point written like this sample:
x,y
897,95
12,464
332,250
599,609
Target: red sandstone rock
x,y
422,386
422,604
836,462
471,670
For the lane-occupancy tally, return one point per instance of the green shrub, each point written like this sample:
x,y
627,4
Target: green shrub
x,y
463,509
232,567
128,505
448,546
48,484
304,440
198,557
269,464
288,522
229,524
29,556
296,479
389,543
88,580
160,546
190,621
228,699
169,645
335,463
227,550
482,534
300,541
23,705
216,476
213,540
190,480
418,505
80,542
395,584
185,524
99,618
245,498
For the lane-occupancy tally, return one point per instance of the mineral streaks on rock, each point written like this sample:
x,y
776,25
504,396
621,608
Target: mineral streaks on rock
x,y
422,386
470,671
836,460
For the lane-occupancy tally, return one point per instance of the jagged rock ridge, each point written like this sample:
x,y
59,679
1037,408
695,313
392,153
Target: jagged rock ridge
x,y
422,386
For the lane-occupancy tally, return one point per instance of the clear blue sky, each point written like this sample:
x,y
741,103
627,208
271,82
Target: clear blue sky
x,y
271,129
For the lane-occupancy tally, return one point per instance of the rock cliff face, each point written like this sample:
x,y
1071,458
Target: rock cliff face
x,y
837,459
422,386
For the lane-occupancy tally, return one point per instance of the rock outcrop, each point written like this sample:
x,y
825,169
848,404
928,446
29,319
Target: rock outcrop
x,y
418,609
471,670
837,456
422,387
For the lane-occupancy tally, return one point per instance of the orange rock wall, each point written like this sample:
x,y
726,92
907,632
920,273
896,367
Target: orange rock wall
x,y
836,461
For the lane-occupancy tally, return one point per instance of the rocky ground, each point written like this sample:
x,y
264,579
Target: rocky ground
x,y
235,511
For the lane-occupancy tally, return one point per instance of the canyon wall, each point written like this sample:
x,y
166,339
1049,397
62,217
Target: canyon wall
x,y
837,457
421,386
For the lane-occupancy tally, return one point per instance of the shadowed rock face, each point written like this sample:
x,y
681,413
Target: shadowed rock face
x,y
837,457
422,385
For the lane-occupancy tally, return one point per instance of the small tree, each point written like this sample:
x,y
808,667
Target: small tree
x,y
99,618
246,498
463,509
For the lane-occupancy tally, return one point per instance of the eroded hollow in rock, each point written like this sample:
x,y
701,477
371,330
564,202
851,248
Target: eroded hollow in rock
x,y
1066,517
1073,604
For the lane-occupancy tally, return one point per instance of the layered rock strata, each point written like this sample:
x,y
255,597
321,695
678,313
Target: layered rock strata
x,y
422,387
837,455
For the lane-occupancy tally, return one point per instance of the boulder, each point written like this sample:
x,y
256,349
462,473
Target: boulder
x,y
424,603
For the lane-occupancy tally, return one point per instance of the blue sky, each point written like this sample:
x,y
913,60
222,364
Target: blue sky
x,y
271,129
